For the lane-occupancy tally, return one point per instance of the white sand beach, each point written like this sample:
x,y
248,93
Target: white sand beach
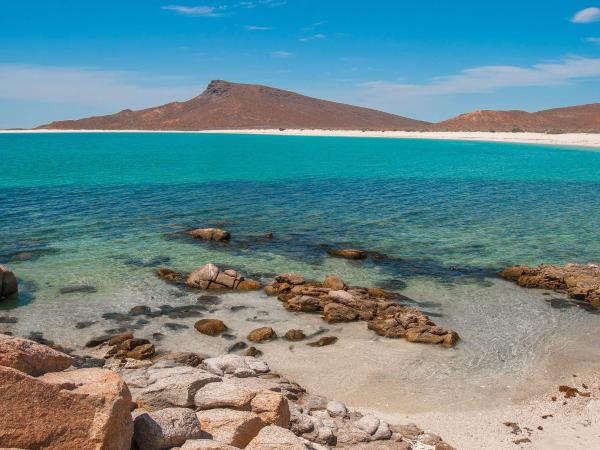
x,y
591,140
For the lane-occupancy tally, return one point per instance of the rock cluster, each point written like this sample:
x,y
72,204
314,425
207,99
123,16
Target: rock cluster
x,y
579,281
123,345
209,276
338,303
8,282
84,408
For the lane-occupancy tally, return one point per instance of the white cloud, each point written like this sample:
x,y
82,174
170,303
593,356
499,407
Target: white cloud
x,y
205,11
256,28
111,90
281,54
593,40
313,37
587,15
487,79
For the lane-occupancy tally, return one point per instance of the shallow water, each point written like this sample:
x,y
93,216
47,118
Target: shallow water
x,y
104,209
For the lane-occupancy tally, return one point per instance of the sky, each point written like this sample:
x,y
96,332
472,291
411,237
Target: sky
x,y
430,60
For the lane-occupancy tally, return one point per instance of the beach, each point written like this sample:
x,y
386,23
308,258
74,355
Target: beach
x,y
591,140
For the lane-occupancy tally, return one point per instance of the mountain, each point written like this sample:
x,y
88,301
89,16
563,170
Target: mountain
x,y
583,118
225,105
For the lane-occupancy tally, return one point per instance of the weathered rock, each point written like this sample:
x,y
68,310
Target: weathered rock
x,y
30,357
253,351
186,358
210,234
206,444
336,409
231,427
383,432
262,334
368,423
209,276
579,281
169,275
290,278
93,402
334,282
276,438
210,327
143,351
303,303
168,387
8,282
295,335
139,310
228,364
130,344
223,395
323,341
349,253
272,407
118,339
167,428
335,312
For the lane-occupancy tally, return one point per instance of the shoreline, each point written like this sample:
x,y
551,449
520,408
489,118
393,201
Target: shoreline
x,y
586,140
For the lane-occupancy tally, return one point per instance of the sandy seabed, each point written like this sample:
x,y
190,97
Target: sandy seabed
x,y
567,139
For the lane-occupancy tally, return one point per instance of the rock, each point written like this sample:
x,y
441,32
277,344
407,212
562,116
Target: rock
x,y
272,407
120,338
348,253
130,344
206,444
304,303
93,402
81,289
334,282
253,351
323,341
380,293
168,274
383,432
8,282
579,281
186,358
30,357
249,285
409,431
290,278
209,276
228,364
139,310
159,388
210,327
336,409
167,428
236,428
143,351
295,335
223,395
369,423
262,334
388,445
210,234
276,438
344,298
334,313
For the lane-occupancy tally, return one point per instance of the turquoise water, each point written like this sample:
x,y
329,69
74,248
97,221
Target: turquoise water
x,y
104,209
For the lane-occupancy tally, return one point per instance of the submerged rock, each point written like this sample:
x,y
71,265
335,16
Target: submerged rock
x,y
323,341
262,334
348,253
295,335
579,281
8,282
82,289
210,234
168,274
210,327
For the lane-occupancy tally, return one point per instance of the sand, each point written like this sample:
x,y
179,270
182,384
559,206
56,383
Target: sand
x,y
591,140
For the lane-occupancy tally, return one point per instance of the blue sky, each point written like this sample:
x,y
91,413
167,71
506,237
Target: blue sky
x,y
429,60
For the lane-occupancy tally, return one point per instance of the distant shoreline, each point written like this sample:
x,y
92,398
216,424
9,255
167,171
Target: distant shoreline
x,y
591,140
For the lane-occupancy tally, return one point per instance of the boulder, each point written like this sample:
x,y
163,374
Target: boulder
x,y
323,341
210,234
228,364
210,327
335,312
143,351
334,282
290,278
209,276
167,428
30,357
336,409
262,334
206,444
272,407
95,403
295,335
8,282
168,274
303,303
276,438
186,358
223,395
236,428
349,253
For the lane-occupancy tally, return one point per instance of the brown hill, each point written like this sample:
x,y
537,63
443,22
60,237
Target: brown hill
x,y
225,105
583,118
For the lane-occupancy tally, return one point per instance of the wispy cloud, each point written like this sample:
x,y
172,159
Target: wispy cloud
x,y
281,54
587,15
311,27
267,3
205,11
256,28
487,79
112,90
313,37
593,40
